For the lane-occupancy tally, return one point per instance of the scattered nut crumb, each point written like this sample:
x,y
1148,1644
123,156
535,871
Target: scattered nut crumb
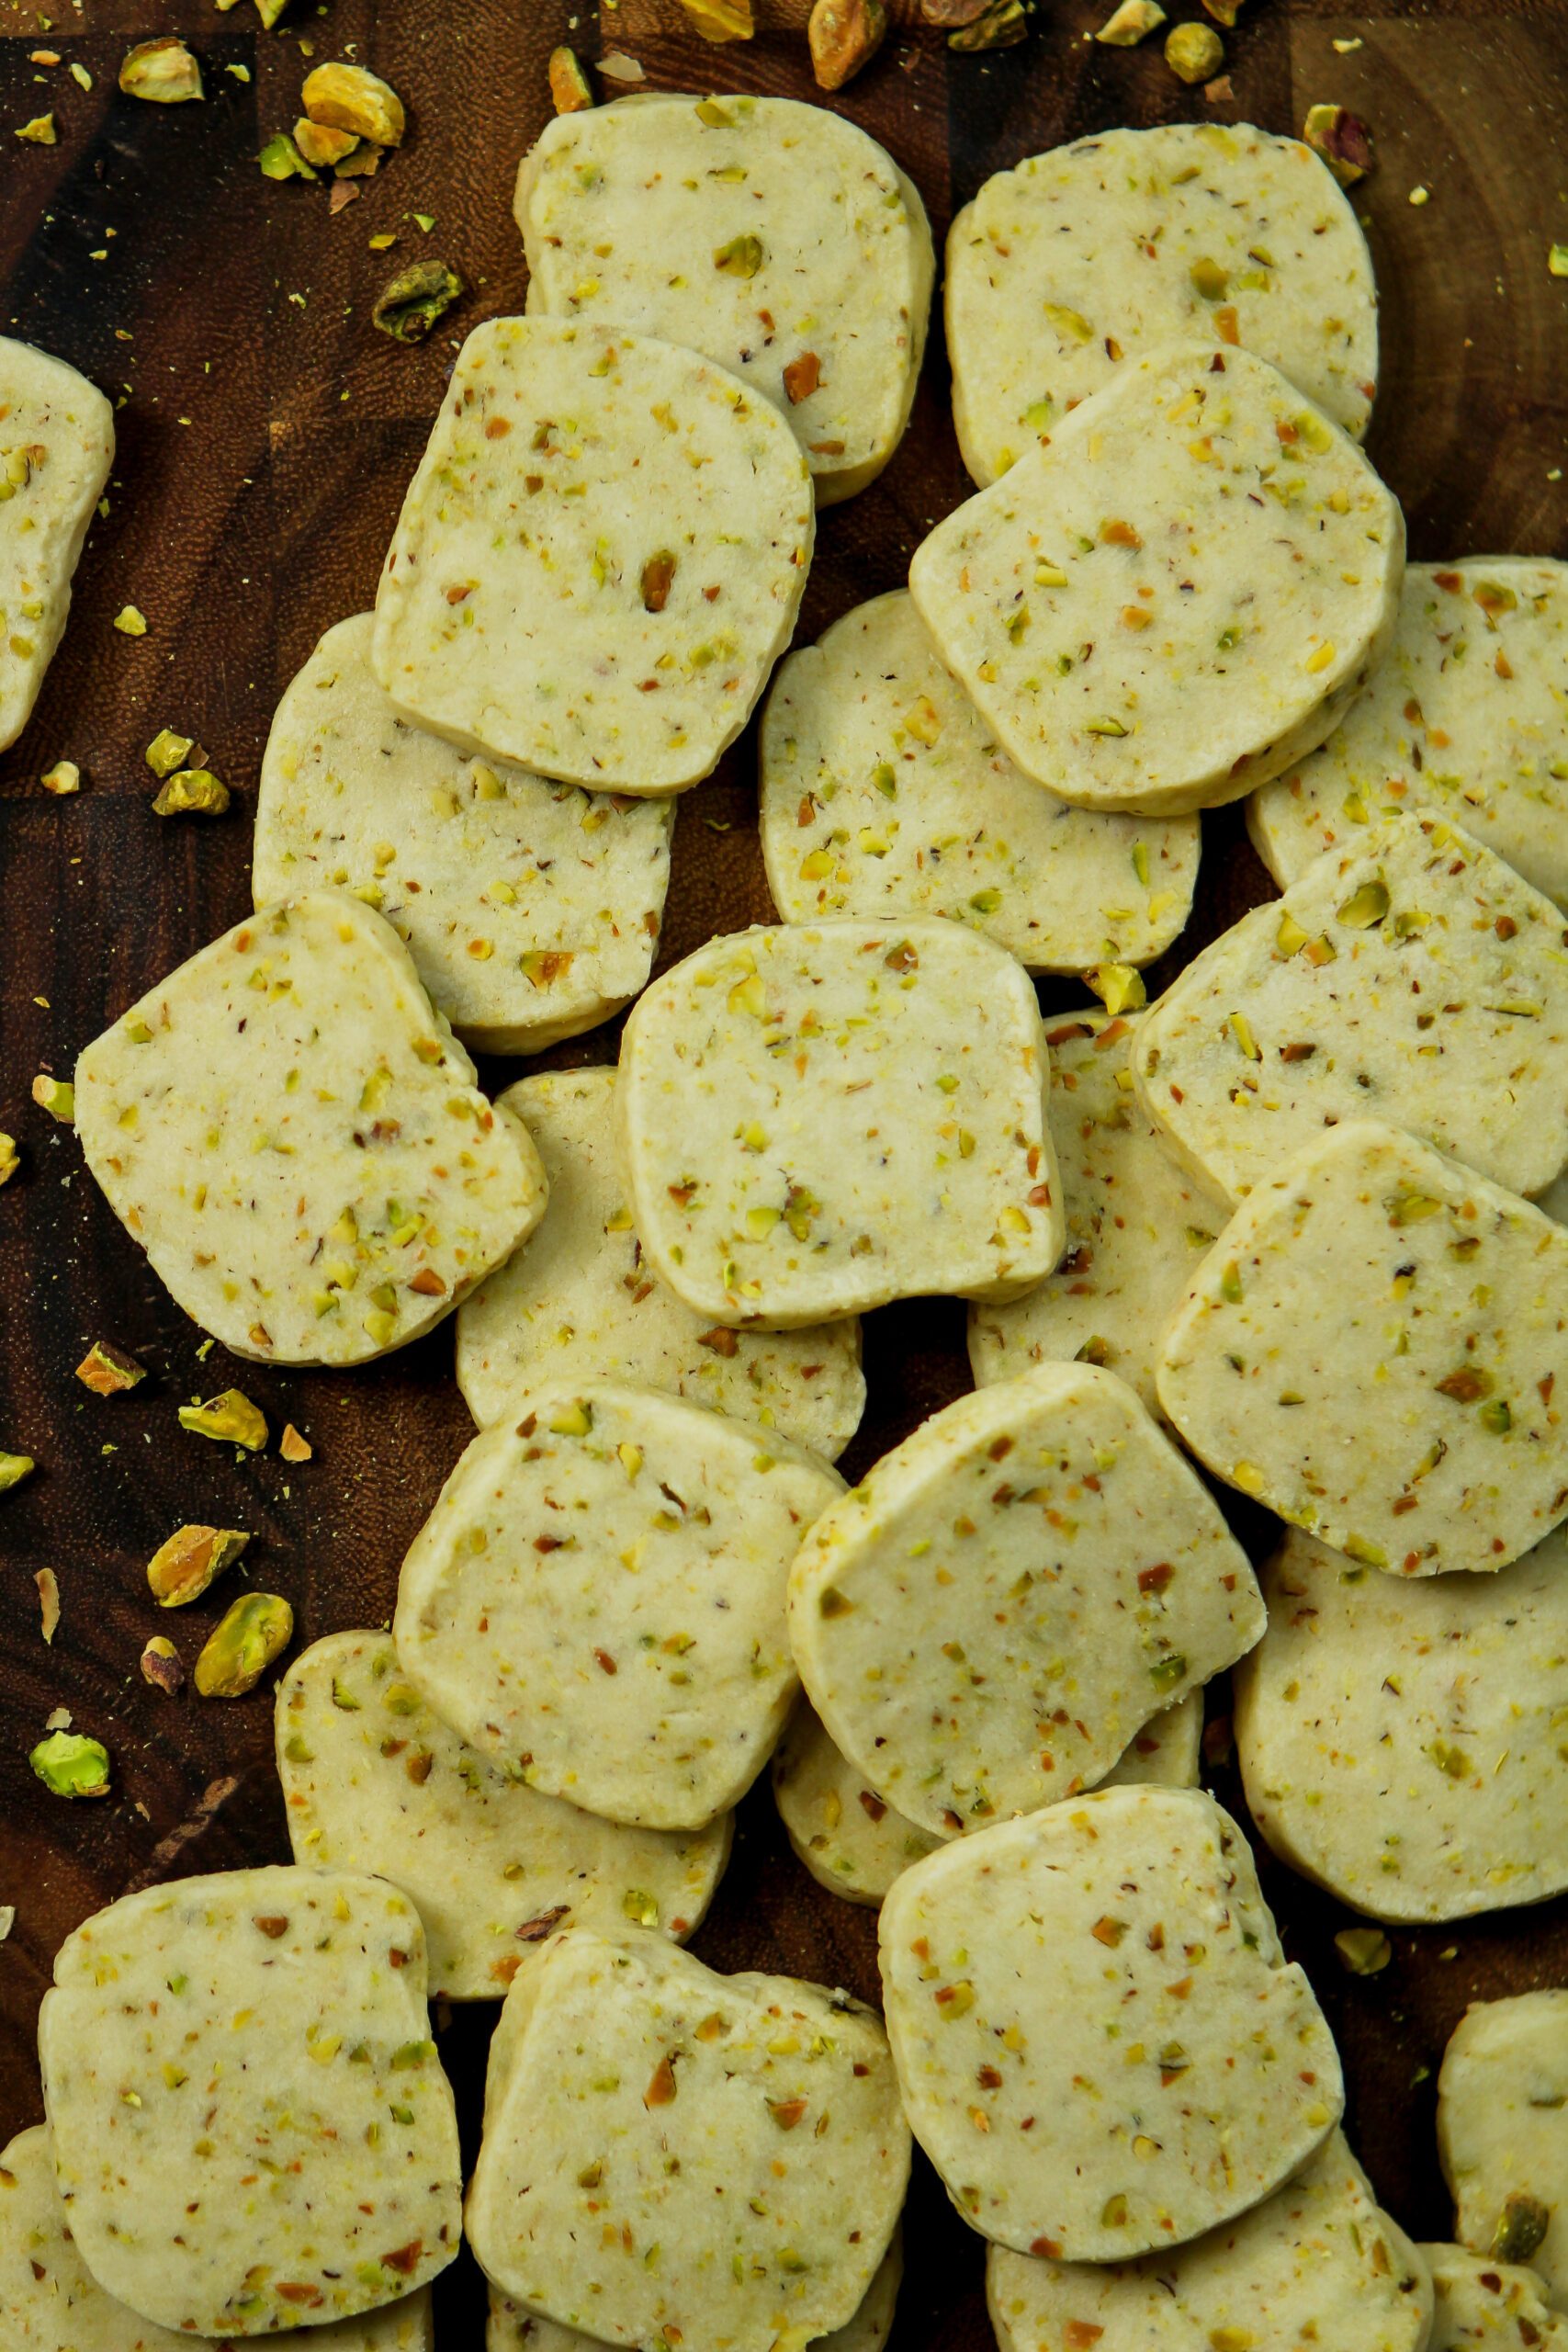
x,y
1419,195
617,66
48,1585
162,71
10,1160
570,90
63,778
1557,260
40,131
844,36
293,1447
1364,1950
109,1370
57,1096
1127,25
129,622
231,1415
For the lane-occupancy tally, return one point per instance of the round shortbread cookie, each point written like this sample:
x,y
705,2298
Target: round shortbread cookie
x,y
1100,2046
290,1131
1318,2264
1371,1349
1482,2302
1409,976
1177,594
373,1781
987,1618
197,2031
599,560
775,237
597,1599
1503,2133
1137,1222
708,2127
883,791
531,909
513,2329
1093,253
815,1119
56,448
1400,1740
581,1302
1466,714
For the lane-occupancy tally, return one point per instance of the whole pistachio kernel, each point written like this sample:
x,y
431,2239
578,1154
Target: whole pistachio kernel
x,y
350,97
162,1666
57,1096
182,1569
191,792
254,1633
1194,53
162,71
570,91
410,304
14,1468
231,1415
70,1765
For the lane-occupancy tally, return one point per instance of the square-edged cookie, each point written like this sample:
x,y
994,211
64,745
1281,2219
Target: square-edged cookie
x,y
814,1119
599,560
293,1134
1177,593
581,1302
56,448
775,237
374,1780
597,1599
1372,1348
1503,2133
531,909
252,2129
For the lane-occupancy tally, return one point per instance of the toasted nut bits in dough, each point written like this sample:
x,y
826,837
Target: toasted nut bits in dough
x,y
56,448
1480,2303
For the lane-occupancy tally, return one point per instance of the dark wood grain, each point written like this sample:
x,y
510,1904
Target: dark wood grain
x,y
267,433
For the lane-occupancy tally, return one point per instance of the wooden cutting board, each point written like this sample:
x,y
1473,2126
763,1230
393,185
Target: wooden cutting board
x,y
267,436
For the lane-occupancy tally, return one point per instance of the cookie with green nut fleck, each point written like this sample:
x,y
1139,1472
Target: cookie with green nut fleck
x,y
56,448
1502,2133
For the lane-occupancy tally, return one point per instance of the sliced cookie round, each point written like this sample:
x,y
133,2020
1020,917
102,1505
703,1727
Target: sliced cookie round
x,y
1481,2303
1503,2133
513,2328
56,448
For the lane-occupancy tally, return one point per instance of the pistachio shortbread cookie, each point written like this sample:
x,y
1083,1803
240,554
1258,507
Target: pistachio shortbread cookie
x,y
599,560
1091,255
514,2329
56,448
883,790
1137,1222
1407,976
1371,1349
775,237
1317,2264
854,1843
986,1620
1401,1741
50,2301
597,1599
1100,2044
292,1134
1503,2133
1467,713
581,1302
531,909
680,2156
1482,2302
815,1119
210,2051
1177,594
373,1781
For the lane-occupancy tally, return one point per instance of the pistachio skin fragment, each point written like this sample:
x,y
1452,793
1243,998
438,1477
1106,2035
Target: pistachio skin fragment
x,y
1003,25
70,1765
1521,2225
108,1371
350,97
321,144
409,304
1194,53
1341,139
192,792
162,1666
57,1096
194,1557
253,1634
63,778
9,1160
570,91
281,160
231,1415
1129,24
844,36
721,20
14,1468
162,71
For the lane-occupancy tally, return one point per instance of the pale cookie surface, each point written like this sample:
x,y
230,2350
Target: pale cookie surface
x,y
815,1120
987,1618
373,1781
598,1599
1137,1223
1400,1741
1317,2267
1503,2133
56,448
211,2050
513,2329
1095,253
1177,593
1467,713
1482,2304
883,790
1372,1349
1100,2044
292,1134
50,2301
854,1843
635,2100
775,237
581,1302
531,909
599,560
1408,976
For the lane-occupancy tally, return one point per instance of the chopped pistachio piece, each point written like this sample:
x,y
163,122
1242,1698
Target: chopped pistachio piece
x,y
350,97
1194,53
14,1468
281,160
254,1632
1342,140
320,143
1364,1950
70,1765
62,778
844,35
1557,260
721,20
192,792
231,1415
1003,25
362,164
40,131
1120,986
741,257
162,1666
129,622
163,71
410,304
48,1585
269,11
193,1559
570,90
1127,26
1521,2226
57,1096
1223,12
292,1446
168,751
9,1161
948,13
617,66
109,1370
